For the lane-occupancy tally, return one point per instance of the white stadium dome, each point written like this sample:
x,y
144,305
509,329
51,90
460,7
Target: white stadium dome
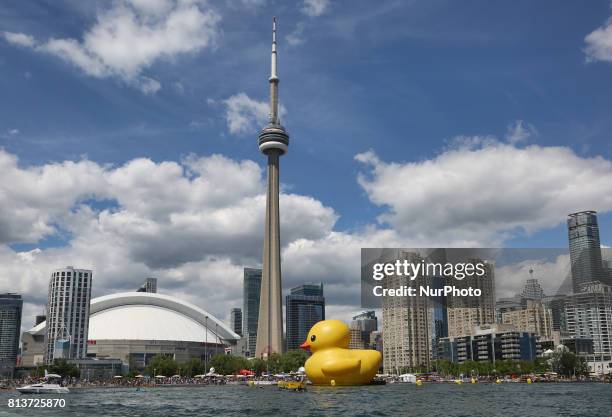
x,y
151,316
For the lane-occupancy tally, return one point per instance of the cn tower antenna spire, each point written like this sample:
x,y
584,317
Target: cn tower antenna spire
x,y
274,78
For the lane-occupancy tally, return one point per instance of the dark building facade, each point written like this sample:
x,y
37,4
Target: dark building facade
x,y
250,308
362,327
305,305
236,320
585,249
579,345
150,285
11,308
556,304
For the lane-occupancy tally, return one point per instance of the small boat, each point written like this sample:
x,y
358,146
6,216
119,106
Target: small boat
x,y
43,388
261,383
292,385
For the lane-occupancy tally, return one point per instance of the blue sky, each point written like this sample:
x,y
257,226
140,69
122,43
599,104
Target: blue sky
x,y
410,81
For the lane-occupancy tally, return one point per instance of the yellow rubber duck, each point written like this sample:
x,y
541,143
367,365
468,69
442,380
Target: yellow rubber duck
x,y
332,362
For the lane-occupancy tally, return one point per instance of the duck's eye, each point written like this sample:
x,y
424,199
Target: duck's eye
x,y
313,338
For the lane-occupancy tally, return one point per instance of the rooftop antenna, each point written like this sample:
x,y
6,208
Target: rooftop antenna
x,y
274,78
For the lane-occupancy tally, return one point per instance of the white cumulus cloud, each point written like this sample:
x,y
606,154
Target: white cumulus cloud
x,y
314,8
484,195
131,36
599,43
519,131
245,115
19,39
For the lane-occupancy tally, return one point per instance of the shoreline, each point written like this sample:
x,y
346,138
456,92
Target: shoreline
x,y
162,386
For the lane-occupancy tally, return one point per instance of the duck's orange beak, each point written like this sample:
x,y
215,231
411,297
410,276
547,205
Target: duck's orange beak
x,y
305,345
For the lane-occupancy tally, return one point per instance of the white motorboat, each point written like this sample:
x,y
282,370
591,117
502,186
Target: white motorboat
x,y
43,388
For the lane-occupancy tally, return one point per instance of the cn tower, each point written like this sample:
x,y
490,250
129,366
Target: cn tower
x,y
273,142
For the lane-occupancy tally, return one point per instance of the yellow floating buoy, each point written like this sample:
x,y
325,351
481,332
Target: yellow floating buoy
x,y
458,381
498,381
474,380
529,381
419,382
332,382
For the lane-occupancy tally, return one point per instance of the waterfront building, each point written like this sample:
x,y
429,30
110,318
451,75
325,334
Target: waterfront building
x,y
535,318
136,326
11,308
579,345
588,314
33,346
466,313
585,249
273,142
236,320
376,342
490,343
362,327
405,325
250,308
556,304
305,306
437,315
68,313
99,369
504,305
150,285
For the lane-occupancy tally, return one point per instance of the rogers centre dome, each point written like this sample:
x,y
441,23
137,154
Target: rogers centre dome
x,y
136,326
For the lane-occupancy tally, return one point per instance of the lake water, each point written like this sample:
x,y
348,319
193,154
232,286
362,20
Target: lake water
x,y
522,400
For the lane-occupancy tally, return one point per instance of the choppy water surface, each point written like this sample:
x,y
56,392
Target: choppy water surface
x,y
589,400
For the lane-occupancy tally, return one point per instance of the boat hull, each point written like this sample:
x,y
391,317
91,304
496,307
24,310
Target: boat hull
x,y
43,390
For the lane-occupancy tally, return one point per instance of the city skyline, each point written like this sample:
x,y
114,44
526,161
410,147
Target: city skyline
x,y
127,185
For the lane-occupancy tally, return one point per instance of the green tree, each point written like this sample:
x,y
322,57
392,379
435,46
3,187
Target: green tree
x,y
258,365
228,364
275,363
162,365
132,373
568,363
293,360
192,367
63,368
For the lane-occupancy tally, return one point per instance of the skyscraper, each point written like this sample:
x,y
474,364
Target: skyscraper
x,y
150,285
585,249
250,308
68,313
236,320
465,313
362,326
11,307
305,306
532,290
588,314
273,142
405,325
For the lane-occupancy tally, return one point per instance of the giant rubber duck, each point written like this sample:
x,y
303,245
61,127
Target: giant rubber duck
x,y
332,362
